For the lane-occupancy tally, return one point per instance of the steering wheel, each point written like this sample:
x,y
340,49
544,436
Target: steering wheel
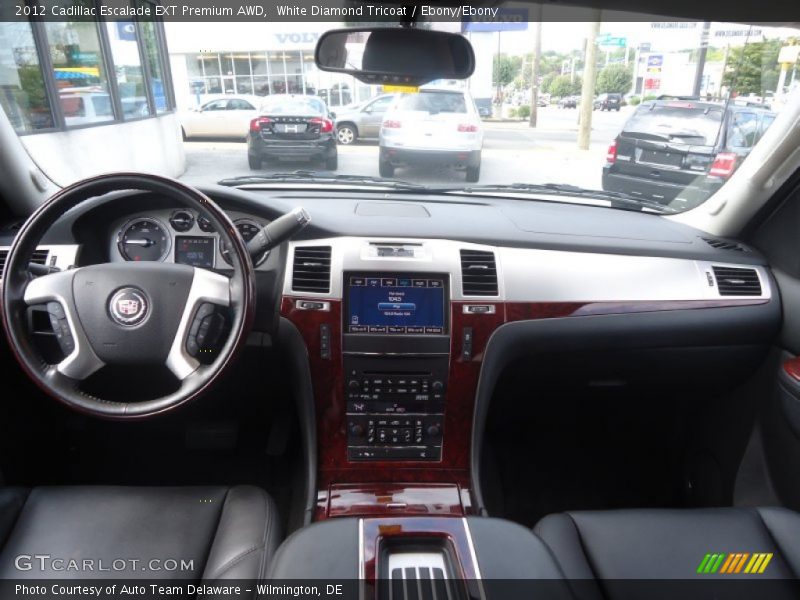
x,y
136,314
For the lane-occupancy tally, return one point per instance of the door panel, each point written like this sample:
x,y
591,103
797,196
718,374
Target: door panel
x,y
778,238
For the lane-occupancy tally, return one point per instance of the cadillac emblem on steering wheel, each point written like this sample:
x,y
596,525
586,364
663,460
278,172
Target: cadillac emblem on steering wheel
x,y
128,306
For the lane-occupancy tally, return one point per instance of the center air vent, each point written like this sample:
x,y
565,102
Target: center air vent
x,y
724,244
311,271
737,282
39,257
478,273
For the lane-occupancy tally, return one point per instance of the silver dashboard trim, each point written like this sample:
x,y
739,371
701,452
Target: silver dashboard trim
x,y
57,287
474,557
207,286
532,275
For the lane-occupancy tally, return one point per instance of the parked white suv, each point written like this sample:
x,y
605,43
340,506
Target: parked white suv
x,y
433,126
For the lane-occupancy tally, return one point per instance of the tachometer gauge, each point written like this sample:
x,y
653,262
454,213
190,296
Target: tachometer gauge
x,y
248,230
143,239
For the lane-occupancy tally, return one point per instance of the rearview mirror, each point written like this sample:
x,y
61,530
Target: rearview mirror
x,y
395,56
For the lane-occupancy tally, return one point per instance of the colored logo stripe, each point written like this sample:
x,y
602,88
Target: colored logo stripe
x,y
735,562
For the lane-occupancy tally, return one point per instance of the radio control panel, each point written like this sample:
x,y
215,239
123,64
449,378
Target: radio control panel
x,y
395,408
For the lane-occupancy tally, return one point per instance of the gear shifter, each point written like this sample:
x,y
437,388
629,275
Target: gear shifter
x,y
280,230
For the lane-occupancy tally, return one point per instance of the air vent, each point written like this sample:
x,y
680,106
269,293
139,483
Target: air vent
x,y
737,282
311,271
724,244
478,273
39,257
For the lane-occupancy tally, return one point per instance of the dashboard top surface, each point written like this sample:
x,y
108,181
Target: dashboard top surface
x,y
480,220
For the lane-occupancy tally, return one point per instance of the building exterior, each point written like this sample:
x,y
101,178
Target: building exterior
x,y
72,89
208,59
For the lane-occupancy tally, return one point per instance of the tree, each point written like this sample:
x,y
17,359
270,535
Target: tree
x,y
547,82
614,78
505,69
562,86
753,69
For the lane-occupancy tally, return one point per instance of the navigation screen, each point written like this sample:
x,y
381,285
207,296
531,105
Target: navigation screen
x,y
396,304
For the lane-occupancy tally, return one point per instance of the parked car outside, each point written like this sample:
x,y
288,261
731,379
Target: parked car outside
x,y
85,107
292,127
434,126
224,117
362,121
608,101
679,149
569,102
484,106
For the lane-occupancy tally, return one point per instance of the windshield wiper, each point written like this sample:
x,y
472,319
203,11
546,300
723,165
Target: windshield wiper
x,y
305,176
616,199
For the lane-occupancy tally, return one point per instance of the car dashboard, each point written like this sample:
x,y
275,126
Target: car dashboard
x,y
408,307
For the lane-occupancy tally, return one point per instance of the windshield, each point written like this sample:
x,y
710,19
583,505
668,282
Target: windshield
x,y
633,111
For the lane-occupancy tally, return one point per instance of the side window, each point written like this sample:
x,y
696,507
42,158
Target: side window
x,y
131,82
766,121
24,96
743,130
78,63
239,104
381,104
216,105
72,106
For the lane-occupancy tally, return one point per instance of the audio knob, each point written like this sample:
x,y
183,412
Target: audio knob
x,y
354,383
434,430
357,429
437,386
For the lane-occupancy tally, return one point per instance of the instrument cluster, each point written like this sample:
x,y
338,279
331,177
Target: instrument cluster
x,y
180,236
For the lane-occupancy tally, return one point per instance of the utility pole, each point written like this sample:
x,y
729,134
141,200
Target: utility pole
x,y
499,93
724,68
701,59
587,90
537,51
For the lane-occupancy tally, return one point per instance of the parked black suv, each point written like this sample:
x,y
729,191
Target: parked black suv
x,y
682,150
292,127
608,102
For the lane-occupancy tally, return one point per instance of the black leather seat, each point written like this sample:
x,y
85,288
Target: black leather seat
x,y
608,547
211,532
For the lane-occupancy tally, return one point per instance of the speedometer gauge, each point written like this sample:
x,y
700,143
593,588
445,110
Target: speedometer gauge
x,y
143,239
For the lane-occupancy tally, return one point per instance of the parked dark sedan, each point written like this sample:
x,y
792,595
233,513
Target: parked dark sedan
x,y
608,102
682,150
292,127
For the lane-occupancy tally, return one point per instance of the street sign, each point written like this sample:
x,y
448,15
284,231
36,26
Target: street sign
x,y
613,42
655,60
789,54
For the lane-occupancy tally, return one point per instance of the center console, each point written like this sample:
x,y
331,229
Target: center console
x,y
396,359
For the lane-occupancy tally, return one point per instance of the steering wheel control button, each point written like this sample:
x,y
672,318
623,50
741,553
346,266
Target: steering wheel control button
x,y
205,331
128,306
60,325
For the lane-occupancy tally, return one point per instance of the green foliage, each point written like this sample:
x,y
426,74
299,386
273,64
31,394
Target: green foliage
x,y
513,113
562,86
547,82
615,79
634,100
524,111
753,68
649,97
505,69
